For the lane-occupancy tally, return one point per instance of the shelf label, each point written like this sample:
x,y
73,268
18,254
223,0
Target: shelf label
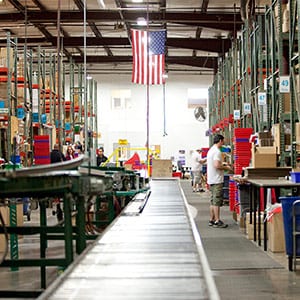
x,y
247,108
4,110
236,114
284,84
265,84
262,98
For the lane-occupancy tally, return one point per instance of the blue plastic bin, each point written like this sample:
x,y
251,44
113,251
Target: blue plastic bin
x,y
295,176
287,204
15,159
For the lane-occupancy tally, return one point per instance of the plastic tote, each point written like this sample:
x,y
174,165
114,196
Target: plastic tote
x,y
287,208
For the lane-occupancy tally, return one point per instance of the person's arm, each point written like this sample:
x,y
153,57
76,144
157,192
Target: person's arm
x,y
221,166
63,157
203,161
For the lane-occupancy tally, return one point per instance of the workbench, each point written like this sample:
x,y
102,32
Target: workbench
x,y
74,188
80,187
258,200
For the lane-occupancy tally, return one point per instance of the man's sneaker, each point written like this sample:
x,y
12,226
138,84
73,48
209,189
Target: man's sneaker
x,y
211,223
220,224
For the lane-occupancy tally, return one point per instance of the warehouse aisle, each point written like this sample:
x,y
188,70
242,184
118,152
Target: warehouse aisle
x,y
241,269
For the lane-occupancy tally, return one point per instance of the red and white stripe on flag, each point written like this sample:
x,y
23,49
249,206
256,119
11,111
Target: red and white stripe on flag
x,y
148,49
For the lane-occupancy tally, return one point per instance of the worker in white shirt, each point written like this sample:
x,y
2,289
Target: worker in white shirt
x,y
196,170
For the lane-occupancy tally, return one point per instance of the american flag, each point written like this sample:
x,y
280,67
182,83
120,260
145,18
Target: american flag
x,y
148,58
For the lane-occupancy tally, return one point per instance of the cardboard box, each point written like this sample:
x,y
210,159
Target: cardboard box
x,y
276,135
263,157
297,133
162,168
5,55
19,210
5,211
2,244
5,214
286,103
287,137
268,142
264,135
276,241
242,222
250,227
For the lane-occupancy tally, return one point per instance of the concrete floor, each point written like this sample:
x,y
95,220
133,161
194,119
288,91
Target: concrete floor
x,y
28,278
238,282
242,282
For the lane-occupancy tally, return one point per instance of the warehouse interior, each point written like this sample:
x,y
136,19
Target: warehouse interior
x,y
84,230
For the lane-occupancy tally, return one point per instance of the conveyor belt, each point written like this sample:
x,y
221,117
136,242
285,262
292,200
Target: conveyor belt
x,y
41,169
153,255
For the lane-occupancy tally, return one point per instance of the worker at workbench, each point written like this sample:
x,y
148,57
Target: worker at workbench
x,y
101,158
56,155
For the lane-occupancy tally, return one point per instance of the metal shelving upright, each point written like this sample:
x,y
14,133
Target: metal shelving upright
x,y
276,42
228,97
257,75
76,97
251,74
245,78
8,112
224,94
294,60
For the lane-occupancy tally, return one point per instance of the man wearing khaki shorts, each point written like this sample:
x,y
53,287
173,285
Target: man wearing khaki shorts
x,y
215,179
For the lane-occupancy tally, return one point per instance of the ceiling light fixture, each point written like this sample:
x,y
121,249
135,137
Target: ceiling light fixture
x,y
141,21
137,1
101,3
119,27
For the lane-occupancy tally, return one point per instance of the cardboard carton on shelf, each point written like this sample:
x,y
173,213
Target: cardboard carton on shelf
x,y
2,244
276,135
263,157
286,103
5,211
287,137
5,214
267,173
297,129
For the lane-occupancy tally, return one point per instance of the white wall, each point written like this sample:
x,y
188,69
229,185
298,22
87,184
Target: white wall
x,y
184,132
